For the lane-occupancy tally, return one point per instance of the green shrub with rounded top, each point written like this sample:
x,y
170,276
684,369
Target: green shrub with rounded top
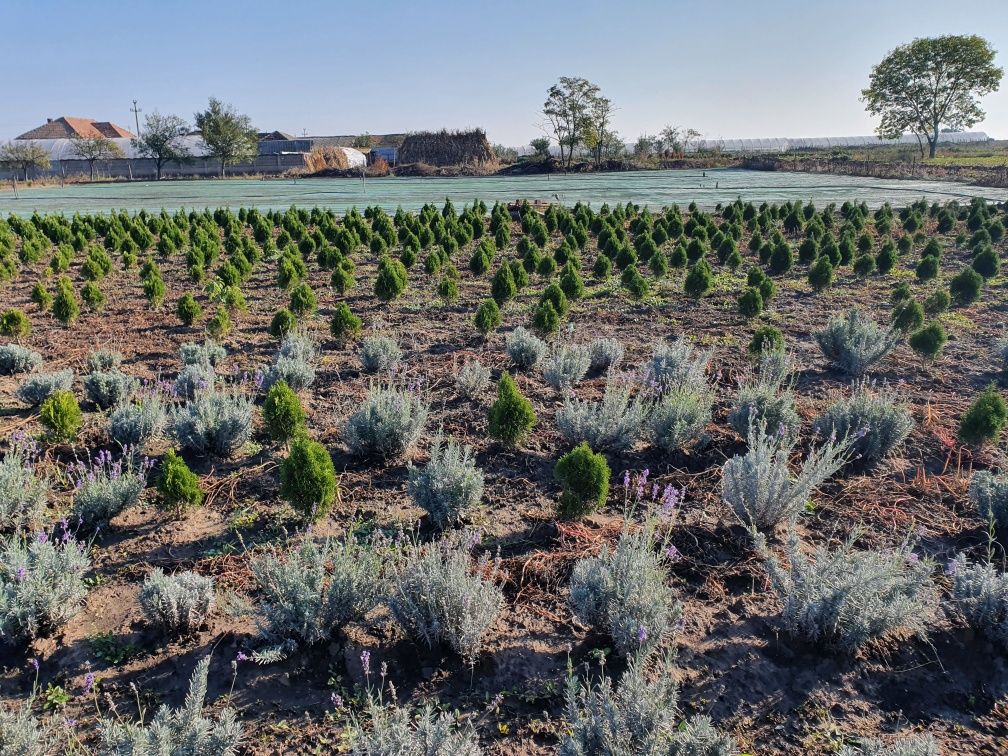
x,y
177,485
188,309
511,417
929,341
283,414
487,317
61,415
308,479
344,324
985,418
284,321
584,476
965,287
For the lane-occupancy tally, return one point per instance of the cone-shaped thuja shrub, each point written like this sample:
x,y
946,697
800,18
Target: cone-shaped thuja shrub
x,y
511,416
308,479
985,419
282,413
177,485
584,476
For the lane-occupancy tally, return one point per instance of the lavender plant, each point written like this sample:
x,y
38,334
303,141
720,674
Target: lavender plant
x,y
680,415
399,730
606,354
759,486
23,492
854,343
844,599
209,353
41,583
988,492
107,389
15,358
141,420
314,591
294,363
777,366
765,399
194,378
104,487
103,360
473,379
566,365
910,745
873,420
217,422
22,734
1000,351
177,604
678,363
37,388
613,424
177,731
450,485
524,348
979,598
379,353
387,424
439,595
624,591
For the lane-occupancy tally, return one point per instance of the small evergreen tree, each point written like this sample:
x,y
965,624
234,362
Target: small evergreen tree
x,y
188,309
966,286
750,303
699,279
282,413
929,341
308,479
177,485
985,419
511,417
488,317
584,476
820,275
61,415
344,324
284,321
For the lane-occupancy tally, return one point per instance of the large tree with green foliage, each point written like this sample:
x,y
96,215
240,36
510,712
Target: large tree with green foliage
x,y
93,149
162,140
567,113
229,135
24,156
930,83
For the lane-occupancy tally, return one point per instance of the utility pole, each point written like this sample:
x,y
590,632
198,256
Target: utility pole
x,y
136,117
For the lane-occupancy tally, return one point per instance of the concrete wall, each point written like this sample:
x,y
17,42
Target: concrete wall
x,y
142,168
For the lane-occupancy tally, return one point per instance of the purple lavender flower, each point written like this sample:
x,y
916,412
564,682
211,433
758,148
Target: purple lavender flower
x,y
21,573
365,660
337,700
952,567
89,681
641,634
241,657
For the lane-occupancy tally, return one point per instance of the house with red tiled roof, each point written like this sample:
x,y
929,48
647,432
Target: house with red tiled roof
x,y
67,127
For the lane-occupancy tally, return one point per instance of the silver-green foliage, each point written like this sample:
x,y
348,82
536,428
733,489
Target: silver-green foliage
x,y
399,731
313,591
22,734
1001,352
606,354
22,491
208,353
566,365
624,592
104,488
989,494
845,598
759,486
294,363
524,348
473,379
873,421
15,358
215,422
177,604
854,343
678,363
103,360
910,745
199,376
439,596
41,584
639,717
680,415
387,424
139,421
614,423
979,598
450,485
766,399
109,388
379,353
177,732
36,388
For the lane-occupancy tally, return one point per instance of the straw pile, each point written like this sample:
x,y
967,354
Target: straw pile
x,y
326,158
442,148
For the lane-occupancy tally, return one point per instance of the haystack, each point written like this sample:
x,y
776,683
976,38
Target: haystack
x,y
442,148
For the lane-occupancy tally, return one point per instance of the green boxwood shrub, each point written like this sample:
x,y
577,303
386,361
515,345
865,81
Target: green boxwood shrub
x,y
188,309
511,416
391,280
929,341
487,317
61,415
750,303
584,476
985,419
344,324
14,324
965,287
820,275
308,479
177,485
766,338
284,321
283,414
699,279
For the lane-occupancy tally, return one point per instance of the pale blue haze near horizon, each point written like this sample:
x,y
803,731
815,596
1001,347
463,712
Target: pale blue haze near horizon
x,y
728,69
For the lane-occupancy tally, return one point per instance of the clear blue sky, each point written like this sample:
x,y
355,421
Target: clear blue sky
x,y
729,69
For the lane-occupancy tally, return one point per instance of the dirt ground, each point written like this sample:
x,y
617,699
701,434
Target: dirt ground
x,y
734,662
